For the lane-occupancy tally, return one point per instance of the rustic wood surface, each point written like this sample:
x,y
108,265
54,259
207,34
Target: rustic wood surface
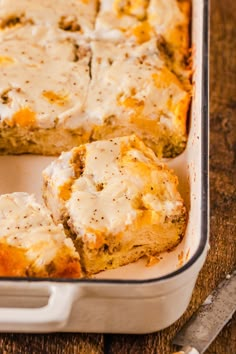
x,y
222,256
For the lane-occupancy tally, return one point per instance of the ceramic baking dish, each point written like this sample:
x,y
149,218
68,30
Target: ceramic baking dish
x,y
134,298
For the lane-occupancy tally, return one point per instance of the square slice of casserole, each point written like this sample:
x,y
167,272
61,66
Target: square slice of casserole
x,y
141,21
116,200
31,244
75,16
44,81
133,91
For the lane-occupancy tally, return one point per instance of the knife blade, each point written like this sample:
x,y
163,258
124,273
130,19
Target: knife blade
x,y
200,331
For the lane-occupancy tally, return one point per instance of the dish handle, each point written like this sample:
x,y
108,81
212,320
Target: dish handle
x,y
49,318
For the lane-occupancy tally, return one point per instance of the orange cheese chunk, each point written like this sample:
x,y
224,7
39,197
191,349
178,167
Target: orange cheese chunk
x,y
142,32
24,118
6,60
55,98
130,102
165,78
63,266
147,217
152,260
13,261
65,190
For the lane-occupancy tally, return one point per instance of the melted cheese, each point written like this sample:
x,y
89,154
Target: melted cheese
x,y
23,118
143,20
5,60
164,15
31,242
167,19
55,97
142,32
135,8
147,93
65,190
117,18
47,81
52,13
122,183
13,261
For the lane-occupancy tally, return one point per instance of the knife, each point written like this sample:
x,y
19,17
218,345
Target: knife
x,y
200,331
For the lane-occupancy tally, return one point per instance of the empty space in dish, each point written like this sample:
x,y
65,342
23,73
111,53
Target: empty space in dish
x,y
24,174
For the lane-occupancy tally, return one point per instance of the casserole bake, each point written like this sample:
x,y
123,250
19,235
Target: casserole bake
x,y
31,244
116,200
72,15
134,298
41,86
60,81
150,100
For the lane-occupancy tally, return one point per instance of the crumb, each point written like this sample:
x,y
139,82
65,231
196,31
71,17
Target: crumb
x,y
152,260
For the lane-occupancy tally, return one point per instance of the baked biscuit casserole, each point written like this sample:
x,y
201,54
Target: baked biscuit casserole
x,y
42,85
149,100
31,244
116,200
77,71
76,16
166,21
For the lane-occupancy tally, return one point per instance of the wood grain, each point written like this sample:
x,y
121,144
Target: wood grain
x,y
222,256
61,343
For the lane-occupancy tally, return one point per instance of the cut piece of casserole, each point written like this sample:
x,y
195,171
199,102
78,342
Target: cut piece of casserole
x,y
61,86
76,16
133,91
140,21
51,100
31,244
44,80
116,200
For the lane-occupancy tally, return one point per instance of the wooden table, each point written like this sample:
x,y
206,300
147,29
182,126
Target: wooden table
x,y
222,256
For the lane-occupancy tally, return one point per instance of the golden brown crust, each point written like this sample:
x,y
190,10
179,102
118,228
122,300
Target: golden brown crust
x,y
110,255
14,263
20,140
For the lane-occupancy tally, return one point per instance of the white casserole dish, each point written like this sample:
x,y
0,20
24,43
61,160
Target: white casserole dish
x,y
133,298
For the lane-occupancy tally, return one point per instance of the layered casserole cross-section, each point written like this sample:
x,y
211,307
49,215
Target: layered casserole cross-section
x,y
116,201
44,80
132,91
31,244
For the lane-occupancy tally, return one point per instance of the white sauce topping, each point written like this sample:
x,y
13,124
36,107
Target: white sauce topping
x,y
137,94
115,177
49,12
164,15
161,16
27,225
46,73
109,208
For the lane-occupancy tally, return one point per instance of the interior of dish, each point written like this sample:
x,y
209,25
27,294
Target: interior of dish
x,y
23,173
